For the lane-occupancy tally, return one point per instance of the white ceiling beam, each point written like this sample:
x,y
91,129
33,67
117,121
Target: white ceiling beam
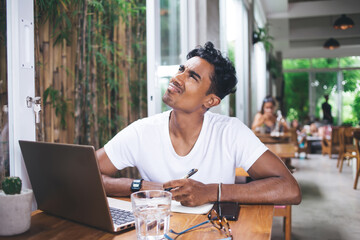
x,y
316,9
272,7
319,43
279,28
319,52
320,33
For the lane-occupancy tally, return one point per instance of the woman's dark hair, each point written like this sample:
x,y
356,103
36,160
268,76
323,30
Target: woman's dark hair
x,y
223,80
267,99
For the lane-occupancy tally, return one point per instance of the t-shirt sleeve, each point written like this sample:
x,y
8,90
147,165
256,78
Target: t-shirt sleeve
x,y
122,148
248,147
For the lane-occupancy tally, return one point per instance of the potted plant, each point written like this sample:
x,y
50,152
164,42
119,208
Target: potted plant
x,y
262,35
15,207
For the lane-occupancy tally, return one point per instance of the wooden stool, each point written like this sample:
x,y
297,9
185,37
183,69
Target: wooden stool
x,y
284,211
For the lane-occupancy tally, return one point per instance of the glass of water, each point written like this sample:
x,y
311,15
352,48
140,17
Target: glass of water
x,y
152,213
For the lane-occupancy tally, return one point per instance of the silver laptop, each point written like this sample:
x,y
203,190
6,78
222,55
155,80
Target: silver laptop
x,y
66,182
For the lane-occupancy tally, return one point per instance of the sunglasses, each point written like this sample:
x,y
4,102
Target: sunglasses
x,y
269,99
221,223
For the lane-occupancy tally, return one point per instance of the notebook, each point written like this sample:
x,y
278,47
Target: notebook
x,y
66,182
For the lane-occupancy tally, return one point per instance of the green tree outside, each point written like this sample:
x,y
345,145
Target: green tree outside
x,y
296,88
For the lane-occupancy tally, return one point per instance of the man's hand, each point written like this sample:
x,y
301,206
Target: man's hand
x,y
191,193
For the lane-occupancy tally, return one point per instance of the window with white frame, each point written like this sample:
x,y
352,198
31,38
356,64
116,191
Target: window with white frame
x,y
238,51
259,81
165,42
176,26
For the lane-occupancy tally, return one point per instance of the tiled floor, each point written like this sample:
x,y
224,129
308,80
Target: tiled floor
x,y
330,208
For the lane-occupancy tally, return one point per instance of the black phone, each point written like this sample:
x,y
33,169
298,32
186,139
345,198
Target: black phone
x,y
229,210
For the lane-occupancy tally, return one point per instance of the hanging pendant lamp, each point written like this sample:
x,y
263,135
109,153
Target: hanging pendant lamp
x,y
343,22
331,44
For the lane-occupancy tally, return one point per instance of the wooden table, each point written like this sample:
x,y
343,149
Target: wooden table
x,y
255,222
266,138
283,150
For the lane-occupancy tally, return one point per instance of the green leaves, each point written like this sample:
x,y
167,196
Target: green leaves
x,y
106,67
262,35
61,15
58,102
356,107
325,82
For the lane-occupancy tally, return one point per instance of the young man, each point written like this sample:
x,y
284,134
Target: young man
x,y
166,146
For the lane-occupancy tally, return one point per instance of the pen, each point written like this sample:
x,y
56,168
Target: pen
x,y
189,174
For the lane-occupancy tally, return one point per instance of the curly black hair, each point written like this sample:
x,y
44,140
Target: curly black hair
x,y
223,79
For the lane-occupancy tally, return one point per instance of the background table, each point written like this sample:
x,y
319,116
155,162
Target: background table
x,y
266,138
283,150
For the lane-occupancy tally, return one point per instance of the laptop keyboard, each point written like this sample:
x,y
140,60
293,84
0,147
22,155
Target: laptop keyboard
x,y
121,216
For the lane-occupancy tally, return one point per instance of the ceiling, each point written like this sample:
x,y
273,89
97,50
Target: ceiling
x,y
300,27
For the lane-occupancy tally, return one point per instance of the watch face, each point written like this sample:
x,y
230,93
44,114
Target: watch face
x,y
136,185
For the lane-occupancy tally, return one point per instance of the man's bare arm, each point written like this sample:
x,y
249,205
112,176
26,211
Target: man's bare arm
x,y
118,186
273,184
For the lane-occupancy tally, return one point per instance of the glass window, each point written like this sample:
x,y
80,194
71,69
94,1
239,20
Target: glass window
x,y
351,80
170,32
351,97
301,63
324,62
4,127
325,83
342,86
260,76
297,96
236,40
353,61
165,73
170,49
349,113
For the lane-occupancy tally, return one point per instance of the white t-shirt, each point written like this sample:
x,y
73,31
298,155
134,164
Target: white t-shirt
x,y
224,143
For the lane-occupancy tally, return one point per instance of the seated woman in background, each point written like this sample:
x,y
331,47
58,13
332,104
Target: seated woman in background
x,y
265,120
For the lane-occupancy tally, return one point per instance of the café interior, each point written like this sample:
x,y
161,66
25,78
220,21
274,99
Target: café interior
x,y
94,67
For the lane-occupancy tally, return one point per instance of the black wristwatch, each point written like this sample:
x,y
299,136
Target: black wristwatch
x,y
136,185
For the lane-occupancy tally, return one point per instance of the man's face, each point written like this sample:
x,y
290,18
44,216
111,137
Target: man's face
x,y
187,89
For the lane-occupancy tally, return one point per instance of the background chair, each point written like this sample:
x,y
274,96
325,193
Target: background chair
x,y
346,146
294,139
330,142
357,146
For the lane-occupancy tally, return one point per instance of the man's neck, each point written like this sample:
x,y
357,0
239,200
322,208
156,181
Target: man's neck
x,y
184,130
183,124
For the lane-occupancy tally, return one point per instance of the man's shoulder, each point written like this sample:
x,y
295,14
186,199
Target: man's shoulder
x,y
219,119
154,120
